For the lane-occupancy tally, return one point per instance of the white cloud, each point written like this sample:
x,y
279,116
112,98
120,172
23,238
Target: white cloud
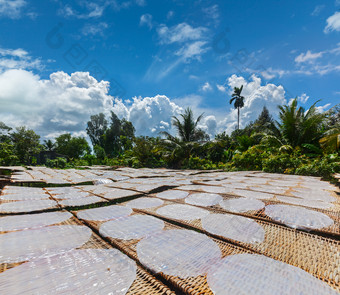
x,y
256,97
323,108
62,103
303,98
206,87
333,23
192,50
149,115
12,8
146,19
308,57
18,59
221,88
94,29
180,33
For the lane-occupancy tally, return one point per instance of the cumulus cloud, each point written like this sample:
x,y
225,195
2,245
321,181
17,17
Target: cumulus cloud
x,y
256,97
149,115
62,103
333,23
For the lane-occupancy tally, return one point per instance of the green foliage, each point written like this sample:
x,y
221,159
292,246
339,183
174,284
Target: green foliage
x,y
323,167
7,155
72,146
60,163
25,143
249,160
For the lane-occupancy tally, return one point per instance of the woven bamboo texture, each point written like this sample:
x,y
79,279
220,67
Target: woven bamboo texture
x,y
333,230
317,255
144,283
192,285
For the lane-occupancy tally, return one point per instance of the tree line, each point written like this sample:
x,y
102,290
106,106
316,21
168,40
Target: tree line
x,y
300,142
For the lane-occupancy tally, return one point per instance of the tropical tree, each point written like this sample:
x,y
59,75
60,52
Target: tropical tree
x,y
189,138
187,129
296,127
49,145
238,100
96,129
72,146
26,143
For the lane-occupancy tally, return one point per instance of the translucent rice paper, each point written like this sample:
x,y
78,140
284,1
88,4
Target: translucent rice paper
x,y
22,189
113,194
305,202
253,194
18,222
242,205
102,181
27,206
76,194
234,227
90,271
318,195
203,199
207,189
131,227
257,274
172,195
61,190
143,203
81,201
182,253
24,196
182,212
269,189
298,217
104,213
25,245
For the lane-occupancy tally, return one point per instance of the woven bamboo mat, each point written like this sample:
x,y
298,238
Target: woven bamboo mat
x,y
333,230
317,255
144,283
192,285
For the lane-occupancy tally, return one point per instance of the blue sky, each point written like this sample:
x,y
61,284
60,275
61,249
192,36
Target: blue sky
x,y
61,61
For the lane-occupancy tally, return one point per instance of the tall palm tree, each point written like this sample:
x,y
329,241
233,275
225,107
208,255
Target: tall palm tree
x,y
239,102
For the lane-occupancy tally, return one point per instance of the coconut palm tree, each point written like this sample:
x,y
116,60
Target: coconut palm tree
x,y
189,137
187,128
238,100
49,145
296,127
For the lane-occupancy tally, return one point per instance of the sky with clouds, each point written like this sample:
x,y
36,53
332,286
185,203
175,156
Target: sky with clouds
x,y
146,60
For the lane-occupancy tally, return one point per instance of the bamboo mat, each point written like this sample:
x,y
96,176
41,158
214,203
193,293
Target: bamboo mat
x,y
144,283
333,230
192,285
317,255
